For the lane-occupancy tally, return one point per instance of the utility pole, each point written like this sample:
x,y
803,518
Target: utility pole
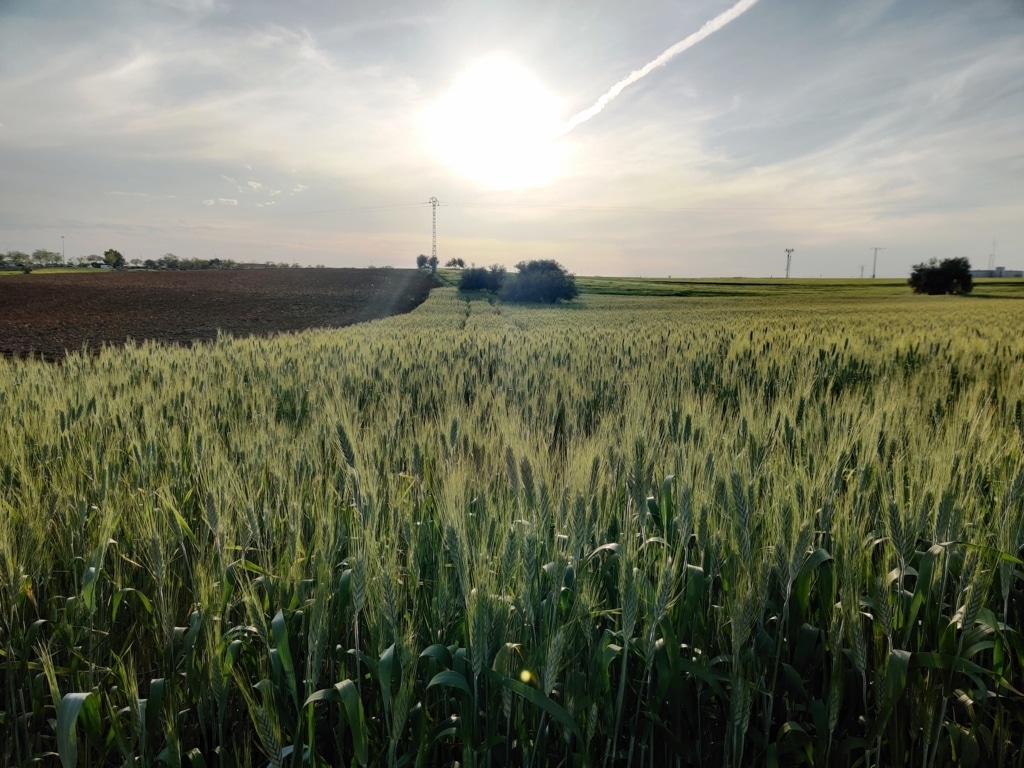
x,y
861,271
789,259
992,258
874,264
62,255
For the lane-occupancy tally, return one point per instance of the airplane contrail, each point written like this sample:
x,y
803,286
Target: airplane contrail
x,y
706,31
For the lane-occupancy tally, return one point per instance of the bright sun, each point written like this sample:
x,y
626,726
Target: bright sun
x,y
497,125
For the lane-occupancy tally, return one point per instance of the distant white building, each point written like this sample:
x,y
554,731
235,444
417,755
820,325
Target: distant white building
x,y
997,272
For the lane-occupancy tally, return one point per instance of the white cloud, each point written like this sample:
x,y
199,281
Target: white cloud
x,y
227,201
191,6
255,185
181,95
275,192
299,188
209,202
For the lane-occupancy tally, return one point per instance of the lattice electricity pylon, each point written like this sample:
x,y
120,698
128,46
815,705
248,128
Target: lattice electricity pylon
x,y
434,202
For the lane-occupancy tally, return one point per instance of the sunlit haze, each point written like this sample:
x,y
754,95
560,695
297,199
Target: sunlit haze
x,y
663,138
497,125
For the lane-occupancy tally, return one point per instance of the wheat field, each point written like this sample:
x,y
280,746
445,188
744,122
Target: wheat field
x,y
633,531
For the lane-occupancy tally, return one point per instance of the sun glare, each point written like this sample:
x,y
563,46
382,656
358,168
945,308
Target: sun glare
x,y
497,125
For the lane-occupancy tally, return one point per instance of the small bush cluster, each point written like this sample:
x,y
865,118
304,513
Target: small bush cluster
x,y
488,279
541,281
939,277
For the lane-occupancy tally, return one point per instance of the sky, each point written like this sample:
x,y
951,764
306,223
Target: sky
x,y
316,131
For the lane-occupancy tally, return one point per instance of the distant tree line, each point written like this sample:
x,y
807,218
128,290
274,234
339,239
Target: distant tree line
x,y
26,262
170,261
542,281
42,259
114,259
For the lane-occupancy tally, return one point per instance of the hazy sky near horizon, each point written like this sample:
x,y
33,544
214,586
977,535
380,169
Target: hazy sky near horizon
x,y
315,132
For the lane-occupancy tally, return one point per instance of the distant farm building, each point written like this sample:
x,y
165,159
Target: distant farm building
x,y
997,272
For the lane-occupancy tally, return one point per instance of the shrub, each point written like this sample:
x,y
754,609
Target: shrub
x,y
543,281
939,277
488,279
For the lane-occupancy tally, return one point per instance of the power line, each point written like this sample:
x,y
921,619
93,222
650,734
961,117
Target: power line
x,y
353,209
581,209
659,209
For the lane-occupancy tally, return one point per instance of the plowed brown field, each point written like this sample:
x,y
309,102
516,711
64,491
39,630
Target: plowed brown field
x,y
50,315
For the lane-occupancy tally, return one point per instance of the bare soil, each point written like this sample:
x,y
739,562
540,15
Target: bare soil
x,y
51,315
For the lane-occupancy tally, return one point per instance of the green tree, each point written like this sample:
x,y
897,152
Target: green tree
x,y
43,258
432,261
113,258
940,277
543,281
455,263
421,261
16,259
